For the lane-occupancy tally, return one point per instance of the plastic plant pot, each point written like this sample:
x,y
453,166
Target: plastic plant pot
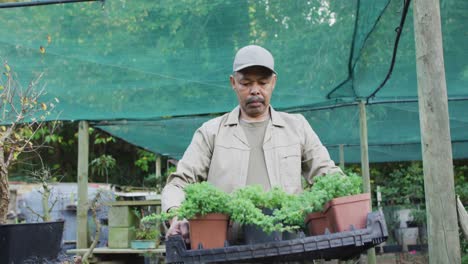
x,y
254,234
40,241
347,211
317,223
209,231
143,244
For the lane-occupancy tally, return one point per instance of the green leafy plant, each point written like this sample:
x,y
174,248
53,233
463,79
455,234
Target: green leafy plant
x,y
250,204
246,205
419,216
404,186
158,182
337,185
461,182
201,199
146,233
313,199
144,159
102,164
289,211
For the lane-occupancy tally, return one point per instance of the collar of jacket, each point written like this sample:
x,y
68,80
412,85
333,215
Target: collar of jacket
x,y
233,117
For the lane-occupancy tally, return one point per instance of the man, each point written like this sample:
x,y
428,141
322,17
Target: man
x,y
253,144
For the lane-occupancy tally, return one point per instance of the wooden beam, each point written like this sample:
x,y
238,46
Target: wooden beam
x,y
104,250
342,161
365,165
364,147
444,243
135,203
82,210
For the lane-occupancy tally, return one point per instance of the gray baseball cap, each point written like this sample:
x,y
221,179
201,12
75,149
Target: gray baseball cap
x,y
253,55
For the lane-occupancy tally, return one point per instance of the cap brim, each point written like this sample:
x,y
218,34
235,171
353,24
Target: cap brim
x,y
251,65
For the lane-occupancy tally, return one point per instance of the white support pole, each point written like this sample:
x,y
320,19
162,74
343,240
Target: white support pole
x,y
444,242
82,210
365,165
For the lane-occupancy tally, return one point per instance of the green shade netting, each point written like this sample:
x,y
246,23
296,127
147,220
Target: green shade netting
x,y
393,131
156,70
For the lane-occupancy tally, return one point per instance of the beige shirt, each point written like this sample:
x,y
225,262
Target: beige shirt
x,y
219,153
257,174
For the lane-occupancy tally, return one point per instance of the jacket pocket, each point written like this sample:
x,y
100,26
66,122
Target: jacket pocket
x,y
290,167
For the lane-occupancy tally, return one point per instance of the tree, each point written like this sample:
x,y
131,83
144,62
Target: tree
x,y
22,115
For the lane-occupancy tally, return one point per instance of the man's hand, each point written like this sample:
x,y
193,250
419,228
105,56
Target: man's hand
x,y
179,227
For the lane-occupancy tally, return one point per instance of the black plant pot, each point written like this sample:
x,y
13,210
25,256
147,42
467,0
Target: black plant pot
x,y
417,248
378,249
254,234
392,248
20,242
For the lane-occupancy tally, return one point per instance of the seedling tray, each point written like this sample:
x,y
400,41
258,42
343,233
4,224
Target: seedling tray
x,y
342,245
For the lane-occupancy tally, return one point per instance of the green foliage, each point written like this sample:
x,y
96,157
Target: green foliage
x,y
338,185
324,189
249,204
419,216
392,221
272,199
243,211
461,182
102,139
158,182
464,248
102,164
146,233
203,198
289,211
144,159
404,186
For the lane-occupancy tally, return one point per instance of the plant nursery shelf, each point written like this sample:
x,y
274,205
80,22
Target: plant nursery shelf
x,y
341,245
105,250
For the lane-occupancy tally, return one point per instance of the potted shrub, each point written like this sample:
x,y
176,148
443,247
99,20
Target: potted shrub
x,y
146,236
206,209
316,221
346,205
258,213
393,223
19,241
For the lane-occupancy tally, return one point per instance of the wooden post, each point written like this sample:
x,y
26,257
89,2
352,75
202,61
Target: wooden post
x,y
158,166
342,157
82,210
444,244
365,165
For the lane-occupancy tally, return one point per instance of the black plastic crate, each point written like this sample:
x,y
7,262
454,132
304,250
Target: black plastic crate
x,y
342,245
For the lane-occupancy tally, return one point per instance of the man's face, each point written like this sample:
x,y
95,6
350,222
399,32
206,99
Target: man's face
x,y
254,86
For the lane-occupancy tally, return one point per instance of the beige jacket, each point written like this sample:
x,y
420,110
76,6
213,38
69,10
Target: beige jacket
x,y
219,153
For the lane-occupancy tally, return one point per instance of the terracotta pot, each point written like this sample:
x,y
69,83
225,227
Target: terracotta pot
x,y
210,230
345,211
317,223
